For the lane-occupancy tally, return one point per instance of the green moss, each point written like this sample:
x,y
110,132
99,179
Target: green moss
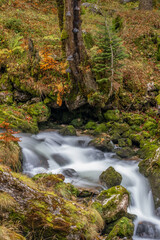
x,y
77,123
100,128
18,119
110,177
64,34
40,111
112,115
68,131
91,125
149,125
134,119
5,84
66,190
147,150
137,139
123,228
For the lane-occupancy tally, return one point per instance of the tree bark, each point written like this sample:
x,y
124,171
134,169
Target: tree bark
x,y
146,4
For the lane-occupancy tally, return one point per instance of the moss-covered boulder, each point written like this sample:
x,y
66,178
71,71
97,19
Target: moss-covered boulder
x,y
125,152
91,125
100,128
32,207
112,203
10,155
18,118
39,111
8,234
68,131
112,115
137,139
124,142
150,167
124,228
119,128
102,143
150,126
134,119
110,178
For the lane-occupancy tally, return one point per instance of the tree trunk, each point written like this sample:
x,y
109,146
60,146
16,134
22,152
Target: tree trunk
x,y
146,4
83,81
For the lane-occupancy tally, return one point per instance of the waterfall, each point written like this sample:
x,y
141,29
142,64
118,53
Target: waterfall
x,y
49,152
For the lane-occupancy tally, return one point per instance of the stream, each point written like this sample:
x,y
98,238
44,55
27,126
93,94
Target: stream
x,y
49,152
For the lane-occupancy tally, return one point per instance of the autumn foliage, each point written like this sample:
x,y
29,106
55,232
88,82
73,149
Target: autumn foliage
x,y
7,136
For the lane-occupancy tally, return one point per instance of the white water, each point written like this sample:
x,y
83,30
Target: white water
x,y
51,153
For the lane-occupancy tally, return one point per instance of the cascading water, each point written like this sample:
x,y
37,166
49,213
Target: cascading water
x,y
51,153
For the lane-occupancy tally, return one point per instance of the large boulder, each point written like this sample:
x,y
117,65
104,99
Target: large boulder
x,y
40,212
110,178
68,131
150,167
112,203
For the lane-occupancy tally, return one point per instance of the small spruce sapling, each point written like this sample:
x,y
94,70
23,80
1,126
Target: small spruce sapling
x,y
107,60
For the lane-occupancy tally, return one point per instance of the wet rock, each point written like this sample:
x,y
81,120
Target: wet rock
x,y
70,172
60,160
147,230
110,178
125,152
102,143
112,203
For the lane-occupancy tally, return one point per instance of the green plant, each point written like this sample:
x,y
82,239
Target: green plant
x,y
14,24
14,44
107,59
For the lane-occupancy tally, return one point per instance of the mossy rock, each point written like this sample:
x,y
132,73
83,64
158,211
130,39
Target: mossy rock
x,y
18,119
137,139
147,150
158,99
112,203
150,125
77,123
124,142
150,167
8,234
6,97
134,119
125,152
119,128
110,178
68,131
91,125
124,228
100,128
32,207
102,143
112,115
39,111
115,137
